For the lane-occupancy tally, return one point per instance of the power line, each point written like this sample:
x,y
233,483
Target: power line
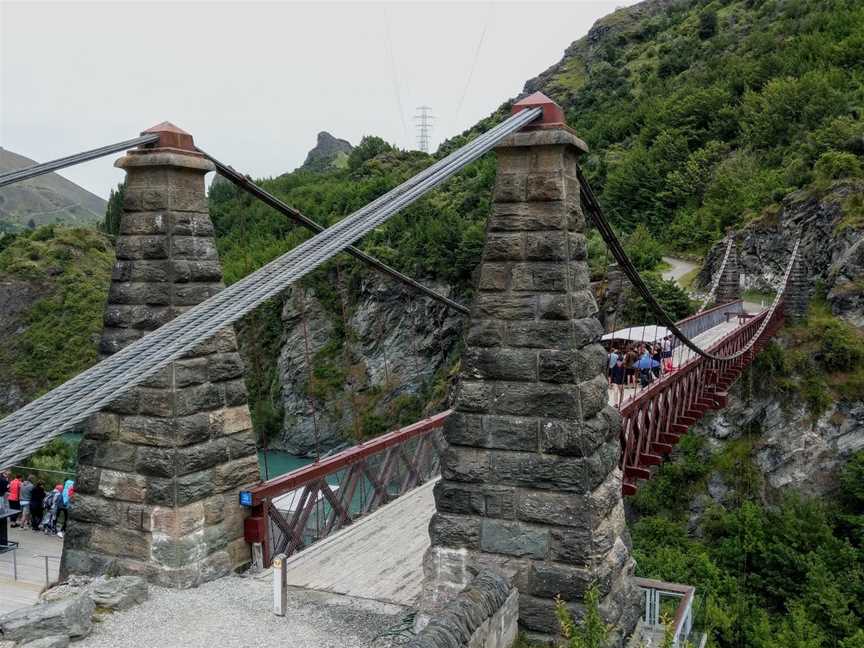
x,y
473,65
396,86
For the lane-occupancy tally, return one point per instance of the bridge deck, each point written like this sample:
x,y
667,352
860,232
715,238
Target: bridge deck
x,y
378,557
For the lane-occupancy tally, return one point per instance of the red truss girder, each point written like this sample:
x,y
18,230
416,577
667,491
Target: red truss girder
x,y
660,415
330,494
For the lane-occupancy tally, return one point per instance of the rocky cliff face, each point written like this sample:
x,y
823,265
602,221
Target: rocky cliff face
x,y
389,362
329,151
16,298
831,226
792,449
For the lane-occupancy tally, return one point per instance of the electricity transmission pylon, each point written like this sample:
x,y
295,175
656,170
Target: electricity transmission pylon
x,y
423,123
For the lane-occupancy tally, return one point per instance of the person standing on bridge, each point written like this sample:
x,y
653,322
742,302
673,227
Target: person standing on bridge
x,y
26,492
618,376
614,356
37,496
15,498
4,491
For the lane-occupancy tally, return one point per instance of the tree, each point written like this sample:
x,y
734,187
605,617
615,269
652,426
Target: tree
x,y
368,148
707,24
592,632
114,211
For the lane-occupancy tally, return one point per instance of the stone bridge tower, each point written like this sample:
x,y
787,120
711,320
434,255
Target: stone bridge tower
x,y
729,286
159,469
530,481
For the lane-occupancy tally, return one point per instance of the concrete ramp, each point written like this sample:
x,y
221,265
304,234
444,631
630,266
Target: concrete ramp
x,y
379,557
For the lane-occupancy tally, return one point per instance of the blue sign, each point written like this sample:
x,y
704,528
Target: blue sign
x,y
245,498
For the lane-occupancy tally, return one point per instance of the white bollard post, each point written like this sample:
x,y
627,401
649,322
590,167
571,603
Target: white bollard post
x,y
280,585
257,556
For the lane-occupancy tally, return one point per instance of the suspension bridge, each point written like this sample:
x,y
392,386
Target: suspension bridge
x,y
524,476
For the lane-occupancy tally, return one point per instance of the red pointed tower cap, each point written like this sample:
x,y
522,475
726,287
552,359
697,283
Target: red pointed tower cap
x,y
553,114
171,137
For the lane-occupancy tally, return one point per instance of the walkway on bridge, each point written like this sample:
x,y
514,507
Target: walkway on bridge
x,y
683,354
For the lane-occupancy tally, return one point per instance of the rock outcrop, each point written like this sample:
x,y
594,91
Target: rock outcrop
x,y
832,246
793,450
394,344
329,151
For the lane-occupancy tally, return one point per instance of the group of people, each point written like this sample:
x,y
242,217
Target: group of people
x,y
643,363
37,509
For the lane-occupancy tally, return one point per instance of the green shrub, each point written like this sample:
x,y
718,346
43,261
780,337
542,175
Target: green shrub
x,y
834,165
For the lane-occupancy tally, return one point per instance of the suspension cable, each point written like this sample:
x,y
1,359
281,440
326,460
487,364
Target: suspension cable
x,y
26,173
599,219
33,425
297,216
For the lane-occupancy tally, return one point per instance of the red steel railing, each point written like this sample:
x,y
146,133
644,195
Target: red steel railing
x,y
656,419
301,507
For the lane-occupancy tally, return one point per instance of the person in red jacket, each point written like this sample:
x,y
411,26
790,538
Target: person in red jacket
x,y
15,498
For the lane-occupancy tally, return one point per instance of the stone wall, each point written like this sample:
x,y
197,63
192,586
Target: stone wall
x,y
530,484
160,467
484,615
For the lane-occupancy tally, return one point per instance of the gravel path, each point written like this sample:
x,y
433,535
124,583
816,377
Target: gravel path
x,y
236,612
678,268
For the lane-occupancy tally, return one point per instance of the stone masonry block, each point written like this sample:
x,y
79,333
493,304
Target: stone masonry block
x,y
509,187
474,396
573,438
144,223
549,580
103,426
513,539
457,531
142,247
531,470
571,366
494,276
475,499
107,454
503,247
193,247
225,366
526,217
544,187
533,399
141,270
139,293
546,246
123,486
500,364
538,277
116,541
144,317
184,271
462,464
191,224
541,335
485,333
503,432
559,509
593,395
192,294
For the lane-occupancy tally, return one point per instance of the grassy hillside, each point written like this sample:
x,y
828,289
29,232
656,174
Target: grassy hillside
x,y
56,336
44,200
699,115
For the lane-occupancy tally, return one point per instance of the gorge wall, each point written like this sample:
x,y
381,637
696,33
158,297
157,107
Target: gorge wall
x,y
385,359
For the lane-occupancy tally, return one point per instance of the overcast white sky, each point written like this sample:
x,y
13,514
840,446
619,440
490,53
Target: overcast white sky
x,y
254,82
